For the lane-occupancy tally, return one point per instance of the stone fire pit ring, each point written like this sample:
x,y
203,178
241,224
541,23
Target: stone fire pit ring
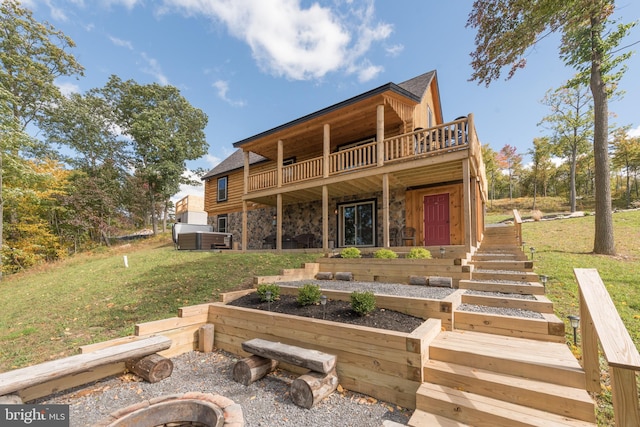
x,y
187,409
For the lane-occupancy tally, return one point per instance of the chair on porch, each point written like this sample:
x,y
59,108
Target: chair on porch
x,y
408,234
394,233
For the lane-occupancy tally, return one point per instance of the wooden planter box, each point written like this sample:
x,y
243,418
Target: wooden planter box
x,y
397,270
384,364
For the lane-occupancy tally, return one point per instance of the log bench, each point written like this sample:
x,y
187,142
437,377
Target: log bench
x,y
306,390
139,356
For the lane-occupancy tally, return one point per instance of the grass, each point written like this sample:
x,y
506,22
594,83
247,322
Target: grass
x,y
48,312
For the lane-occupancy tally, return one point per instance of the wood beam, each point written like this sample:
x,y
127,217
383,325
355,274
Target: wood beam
x,y
326,150
325,218
385,210
279,163
380,133
466,205
245,223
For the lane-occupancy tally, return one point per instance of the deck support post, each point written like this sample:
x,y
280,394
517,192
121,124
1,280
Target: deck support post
x,y
279,221
245,222
279,163
385,210
380,133
466,205
325,219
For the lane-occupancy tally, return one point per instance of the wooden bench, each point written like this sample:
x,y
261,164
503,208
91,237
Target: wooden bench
x,y
139,356
306,390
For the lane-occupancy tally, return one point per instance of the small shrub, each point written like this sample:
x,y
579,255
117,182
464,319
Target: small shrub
x,y
309,294
385,254
419,253
363,302
350,253
262,291
536,215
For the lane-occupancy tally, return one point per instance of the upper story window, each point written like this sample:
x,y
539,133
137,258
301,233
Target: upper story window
x,y
223,188
429,117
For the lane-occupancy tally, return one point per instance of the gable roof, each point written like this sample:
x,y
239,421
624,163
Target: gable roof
x,y
233,162
418,85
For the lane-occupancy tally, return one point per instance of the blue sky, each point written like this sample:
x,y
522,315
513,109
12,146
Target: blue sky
x,y
252,65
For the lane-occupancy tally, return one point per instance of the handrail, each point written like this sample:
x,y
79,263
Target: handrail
x,y
600,322
517,222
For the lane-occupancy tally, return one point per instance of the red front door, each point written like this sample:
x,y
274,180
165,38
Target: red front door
x,y
436,220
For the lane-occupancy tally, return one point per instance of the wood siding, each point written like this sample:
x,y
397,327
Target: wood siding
x,y
415,211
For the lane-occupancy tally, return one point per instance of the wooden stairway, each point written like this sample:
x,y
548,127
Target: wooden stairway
x,y
489,380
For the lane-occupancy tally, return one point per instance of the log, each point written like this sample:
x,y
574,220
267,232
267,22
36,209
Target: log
x,y
305,358
152,368
418,280
205,338
444,282
11,399
324,275
344,275
311,388
253,368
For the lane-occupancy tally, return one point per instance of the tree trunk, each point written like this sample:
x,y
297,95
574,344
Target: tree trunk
x,y
152,368
154,218
1,213
311,388
572,179
604,242
628,188
252,368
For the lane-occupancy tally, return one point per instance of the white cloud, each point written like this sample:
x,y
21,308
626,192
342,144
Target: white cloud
x,y
300,43
129,4
119,42
634,132
153,68
368,72
394,50
67,88
223,87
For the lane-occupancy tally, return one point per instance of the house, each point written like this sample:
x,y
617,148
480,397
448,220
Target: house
x,y
357,173
190,210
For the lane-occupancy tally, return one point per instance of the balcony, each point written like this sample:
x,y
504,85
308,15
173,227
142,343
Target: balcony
x,y
441,139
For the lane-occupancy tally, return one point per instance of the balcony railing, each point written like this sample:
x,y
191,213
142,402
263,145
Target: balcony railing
x,y
420,143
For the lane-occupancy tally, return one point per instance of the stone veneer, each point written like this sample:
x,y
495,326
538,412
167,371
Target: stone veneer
x,y
306,218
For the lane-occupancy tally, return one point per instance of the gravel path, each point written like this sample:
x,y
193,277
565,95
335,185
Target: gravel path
x,y
266,403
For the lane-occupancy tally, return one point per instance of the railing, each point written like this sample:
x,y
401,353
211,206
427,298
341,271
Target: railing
x,y
359,157
599,321
263,180
517,222
302,171
442,138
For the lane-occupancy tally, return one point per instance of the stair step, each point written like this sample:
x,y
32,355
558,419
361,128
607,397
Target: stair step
x,y
538,360
503,264
537,303
504,286
425,419
521,324
481,411
493,274
562,400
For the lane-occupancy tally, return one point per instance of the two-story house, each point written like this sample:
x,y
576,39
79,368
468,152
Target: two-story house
x,y
364,172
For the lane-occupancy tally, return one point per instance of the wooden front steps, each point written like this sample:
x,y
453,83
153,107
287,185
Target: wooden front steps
x,y
488,380
503,286
537,303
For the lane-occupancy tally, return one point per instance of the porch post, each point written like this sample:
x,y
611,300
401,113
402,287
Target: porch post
x,y
466,205
245,189
380,133
245,221
325,219
474,212
279,163
385,210
326,149
279,222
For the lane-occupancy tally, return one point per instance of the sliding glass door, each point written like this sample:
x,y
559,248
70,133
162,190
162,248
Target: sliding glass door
x,y
357,224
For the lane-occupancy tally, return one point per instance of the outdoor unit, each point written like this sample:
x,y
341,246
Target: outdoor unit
x,y
199,237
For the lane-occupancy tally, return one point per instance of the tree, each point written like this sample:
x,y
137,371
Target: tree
x,y
489,156
510,161
541,160
165,132
508,28
626,156
32,56
571,121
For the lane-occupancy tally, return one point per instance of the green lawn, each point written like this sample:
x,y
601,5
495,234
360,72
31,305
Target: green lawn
x,y
49,311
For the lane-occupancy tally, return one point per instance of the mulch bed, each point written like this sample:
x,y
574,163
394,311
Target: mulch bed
x,y
335,311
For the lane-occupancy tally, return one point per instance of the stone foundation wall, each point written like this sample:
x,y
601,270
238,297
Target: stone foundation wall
x,y
306,218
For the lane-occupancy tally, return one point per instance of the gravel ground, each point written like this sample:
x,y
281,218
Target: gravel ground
x,y
499,294
266,403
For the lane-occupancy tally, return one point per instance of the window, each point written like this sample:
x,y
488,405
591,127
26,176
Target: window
x,y
223,188
357,224
222,223
429,117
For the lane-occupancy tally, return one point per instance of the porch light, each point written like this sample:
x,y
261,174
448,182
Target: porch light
x,y
323,302
575,322
533,250
442,251
275,218
268,296
544,279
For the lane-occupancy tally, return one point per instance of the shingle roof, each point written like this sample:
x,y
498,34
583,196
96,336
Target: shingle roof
x,y
418,85
233,162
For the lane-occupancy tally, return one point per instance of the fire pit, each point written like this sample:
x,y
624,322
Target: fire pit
x,y
188,409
